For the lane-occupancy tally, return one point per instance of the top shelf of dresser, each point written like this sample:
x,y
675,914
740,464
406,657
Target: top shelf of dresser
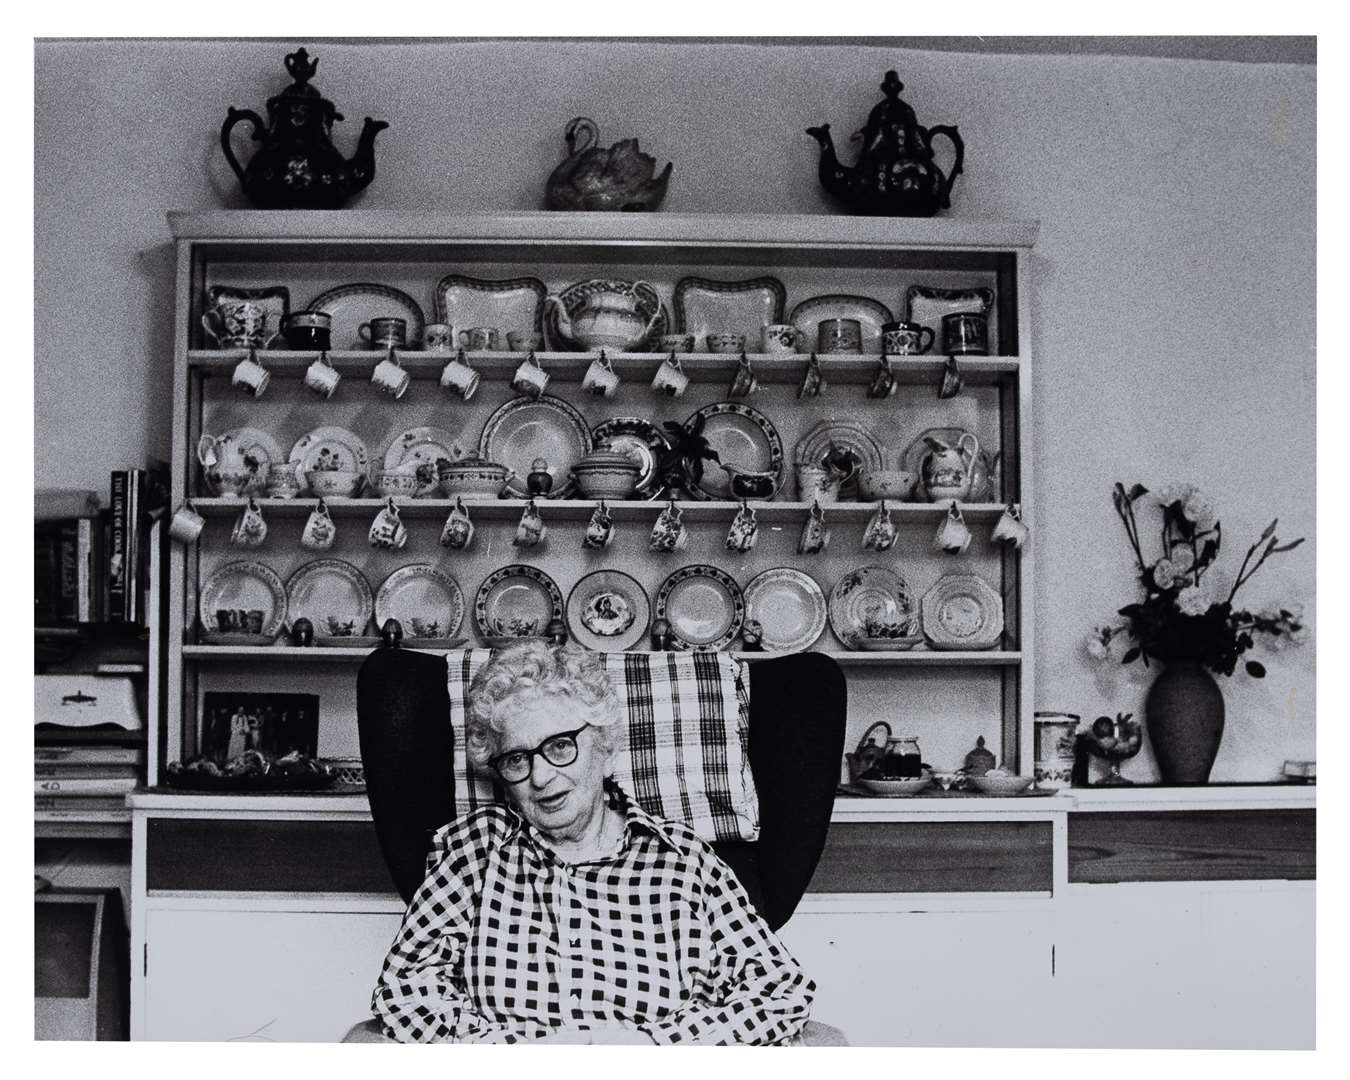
x,y
544,228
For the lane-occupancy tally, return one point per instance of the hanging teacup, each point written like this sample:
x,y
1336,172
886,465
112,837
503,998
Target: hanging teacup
x,y
531,530
744,529
250,530
600,529
458,530
815,536
319,531
387,530
1010,529
881,532
953,537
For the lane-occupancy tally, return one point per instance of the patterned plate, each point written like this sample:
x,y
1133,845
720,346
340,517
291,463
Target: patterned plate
x,y
912,459
872,603
704,306
742,436
928,304
814,447
704,605
642,441
418,450
352,305
330,448
333,595
790,607
506,303
252,586
426,601
526,428
258,445
517,601
608,611
574,296
962,611
871,314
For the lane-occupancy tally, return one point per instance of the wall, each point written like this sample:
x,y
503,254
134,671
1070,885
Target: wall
x,y
1174,308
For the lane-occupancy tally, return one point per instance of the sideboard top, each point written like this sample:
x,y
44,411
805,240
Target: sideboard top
x,y
543,226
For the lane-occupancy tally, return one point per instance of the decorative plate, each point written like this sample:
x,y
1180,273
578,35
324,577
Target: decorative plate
x,y
743,437
426,601
333,595
912,458
642,441
872,603
517,601
275,298
704,605
328,449
352,305
574,296
928,304
418,450
704,306
814,447
871,314
790,607
258,445
526,428
506,303
247,585
962,611
608,611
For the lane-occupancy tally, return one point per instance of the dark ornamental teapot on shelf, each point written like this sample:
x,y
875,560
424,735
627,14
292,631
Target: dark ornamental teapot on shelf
x,y
895,173
297,166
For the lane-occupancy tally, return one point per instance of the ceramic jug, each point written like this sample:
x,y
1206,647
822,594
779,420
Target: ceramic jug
x,y
947,471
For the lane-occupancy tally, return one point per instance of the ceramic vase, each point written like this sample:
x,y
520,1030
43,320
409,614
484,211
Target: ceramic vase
x,y
1184,712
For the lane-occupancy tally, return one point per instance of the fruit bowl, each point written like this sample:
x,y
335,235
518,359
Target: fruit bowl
x,y
911,786
999,785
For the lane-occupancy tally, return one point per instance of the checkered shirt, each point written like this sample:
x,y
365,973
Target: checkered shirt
x,y
504,942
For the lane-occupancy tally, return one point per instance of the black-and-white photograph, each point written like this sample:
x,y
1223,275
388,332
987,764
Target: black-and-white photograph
x,y
678,540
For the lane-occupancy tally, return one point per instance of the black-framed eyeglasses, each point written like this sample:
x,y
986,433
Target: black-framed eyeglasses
x,y
558,750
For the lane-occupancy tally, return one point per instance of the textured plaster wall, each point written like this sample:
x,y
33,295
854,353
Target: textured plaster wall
x,y
1174,302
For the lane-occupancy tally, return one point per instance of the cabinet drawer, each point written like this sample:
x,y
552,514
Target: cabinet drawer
x,y
947,856
253,855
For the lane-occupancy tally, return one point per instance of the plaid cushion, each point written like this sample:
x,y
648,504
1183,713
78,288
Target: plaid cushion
x,y
683,753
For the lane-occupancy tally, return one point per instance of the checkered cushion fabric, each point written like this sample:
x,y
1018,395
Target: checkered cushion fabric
x,y
683,754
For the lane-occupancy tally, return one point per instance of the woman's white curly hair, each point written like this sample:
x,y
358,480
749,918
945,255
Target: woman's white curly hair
x,y
574,676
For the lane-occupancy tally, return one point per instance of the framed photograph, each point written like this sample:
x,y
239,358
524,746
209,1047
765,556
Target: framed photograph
x,y
275,724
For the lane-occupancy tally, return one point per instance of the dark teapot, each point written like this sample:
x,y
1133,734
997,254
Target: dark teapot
x,y
895,173
297,167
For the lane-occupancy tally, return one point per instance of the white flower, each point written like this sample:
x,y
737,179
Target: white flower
x,y
1181,558
1095,648
1175,492
1165,573
1199,509
1193,600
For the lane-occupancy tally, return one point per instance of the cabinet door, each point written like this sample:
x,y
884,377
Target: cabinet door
x,y
1188,965
922,978
261,976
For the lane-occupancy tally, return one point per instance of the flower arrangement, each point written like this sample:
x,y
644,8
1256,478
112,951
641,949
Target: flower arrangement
x,y
1182,616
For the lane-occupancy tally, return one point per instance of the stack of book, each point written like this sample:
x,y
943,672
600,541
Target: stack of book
x,y
85,775
91,563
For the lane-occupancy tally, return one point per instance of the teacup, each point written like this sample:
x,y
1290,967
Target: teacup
x,y
952,537
531,530
883,380
676,343
438,337
816,482
186,525
459,377
1010,528
599,530
530,378
339,483
385,332
743,383
725,343
322,377
815,536
481,339
387,530
778,338
601,379
813,379
906,339
251,376
525,341
670,377
283,480
308,330
839,336
458,530
880,533
669,533
391,377
320,531
744,530
396,485
250,530
965,333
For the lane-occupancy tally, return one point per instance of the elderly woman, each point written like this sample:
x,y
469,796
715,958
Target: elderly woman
x,y
571,915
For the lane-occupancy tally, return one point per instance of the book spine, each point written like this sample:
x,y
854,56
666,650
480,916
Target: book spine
x,y
74,806
85,756
113,785
68,601
87,549
105,557
135,546
46,576
63,770
117,547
